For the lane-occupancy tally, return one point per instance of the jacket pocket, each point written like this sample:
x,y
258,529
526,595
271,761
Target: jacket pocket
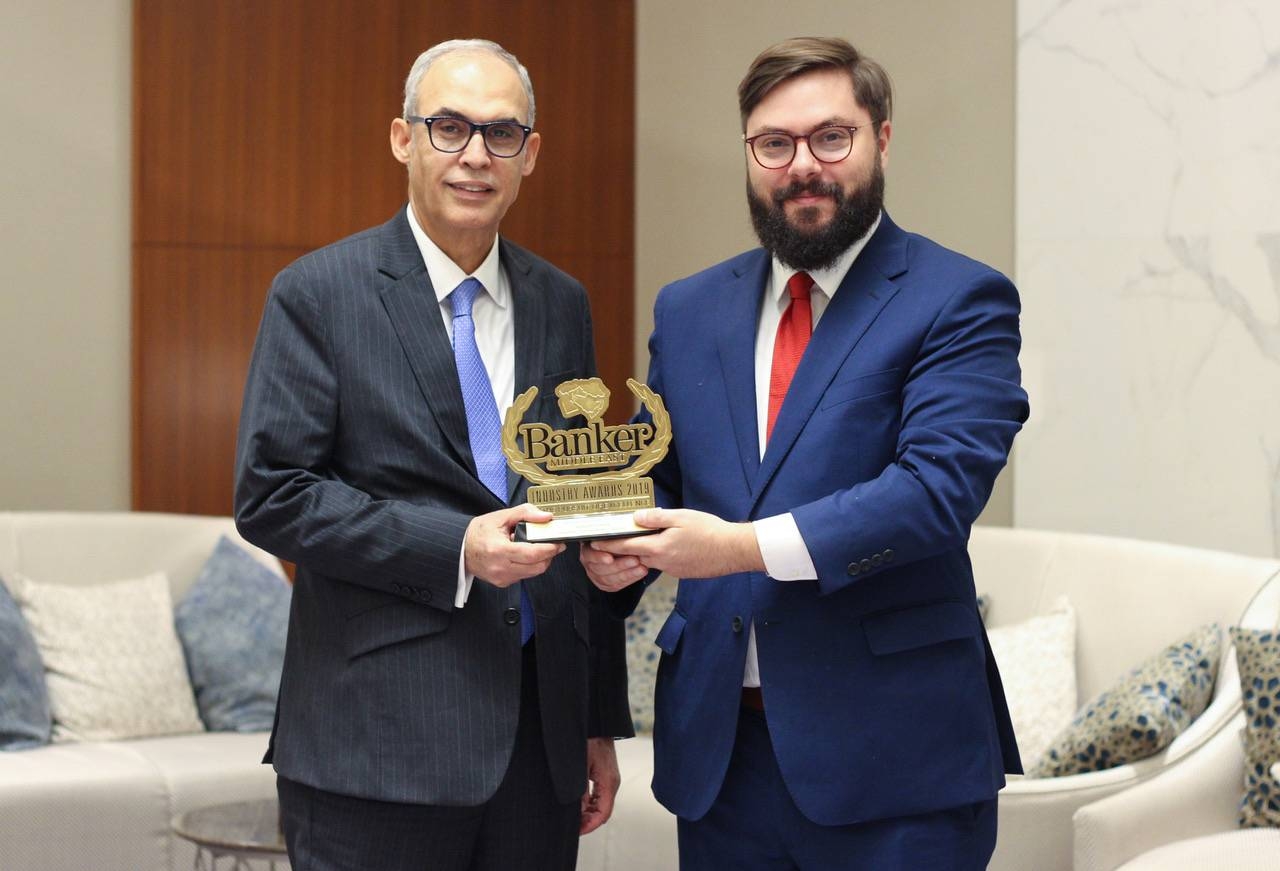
x,y
391,624
919,626
863,386
669,635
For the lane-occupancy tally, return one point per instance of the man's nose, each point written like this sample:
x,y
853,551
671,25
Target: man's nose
x,y
804,164
475,153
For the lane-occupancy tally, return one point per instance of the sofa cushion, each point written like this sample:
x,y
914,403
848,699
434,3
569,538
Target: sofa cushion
x,y
113,663
210,768
643,652
1141,714
232,623
25,720
1237,851
1037,667
1258,656
90,805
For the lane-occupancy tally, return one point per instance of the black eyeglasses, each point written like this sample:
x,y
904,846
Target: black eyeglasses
x,y
776,150
451,134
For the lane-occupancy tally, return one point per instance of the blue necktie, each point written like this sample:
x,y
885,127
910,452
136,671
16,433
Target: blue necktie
x,y
484,430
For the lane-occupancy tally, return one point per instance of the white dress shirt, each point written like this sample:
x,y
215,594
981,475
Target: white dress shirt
x,y
785,556
494,320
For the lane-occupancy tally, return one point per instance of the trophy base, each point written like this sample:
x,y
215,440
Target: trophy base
x,y
582,527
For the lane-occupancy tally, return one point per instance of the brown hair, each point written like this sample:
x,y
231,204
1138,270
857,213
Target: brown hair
x,y
804,54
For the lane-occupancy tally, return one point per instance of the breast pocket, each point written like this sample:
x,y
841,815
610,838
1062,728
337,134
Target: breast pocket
x,y
865,386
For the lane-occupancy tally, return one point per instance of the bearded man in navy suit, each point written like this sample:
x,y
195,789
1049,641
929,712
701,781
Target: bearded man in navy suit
x,y
841,402
448,693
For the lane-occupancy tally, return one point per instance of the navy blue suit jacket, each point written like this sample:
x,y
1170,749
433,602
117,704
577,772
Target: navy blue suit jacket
x,y
880,691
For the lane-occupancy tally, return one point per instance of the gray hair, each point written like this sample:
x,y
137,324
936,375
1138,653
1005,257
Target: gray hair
x,y
485,46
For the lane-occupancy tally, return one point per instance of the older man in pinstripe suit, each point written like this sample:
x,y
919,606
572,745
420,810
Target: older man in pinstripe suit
x,y
449,696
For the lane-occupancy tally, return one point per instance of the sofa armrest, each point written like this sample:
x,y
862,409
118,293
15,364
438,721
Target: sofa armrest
x,y
1035,815
1197,795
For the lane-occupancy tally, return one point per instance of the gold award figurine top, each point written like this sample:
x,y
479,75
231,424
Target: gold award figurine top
x,y
586,506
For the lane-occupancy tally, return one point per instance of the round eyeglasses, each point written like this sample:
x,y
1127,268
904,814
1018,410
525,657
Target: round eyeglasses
x,y
451,135
776,150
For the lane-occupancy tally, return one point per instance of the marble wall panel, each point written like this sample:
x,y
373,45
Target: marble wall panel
x,y
1148,256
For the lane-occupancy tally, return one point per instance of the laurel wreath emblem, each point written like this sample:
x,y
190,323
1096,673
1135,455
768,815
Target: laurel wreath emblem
x,y
531,471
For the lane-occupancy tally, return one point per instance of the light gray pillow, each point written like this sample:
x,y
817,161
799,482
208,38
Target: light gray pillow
x,y
233,622
25,721
113,663
1037,662
1142,714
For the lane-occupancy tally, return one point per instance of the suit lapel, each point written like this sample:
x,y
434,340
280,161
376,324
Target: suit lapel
x,y
866,289
410,302
738,312
528,298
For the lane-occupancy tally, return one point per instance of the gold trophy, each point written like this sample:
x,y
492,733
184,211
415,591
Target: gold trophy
x,y
586,506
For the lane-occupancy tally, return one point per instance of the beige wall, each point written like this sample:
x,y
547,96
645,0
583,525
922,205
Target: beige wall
x,y
950,174
64,302
64,309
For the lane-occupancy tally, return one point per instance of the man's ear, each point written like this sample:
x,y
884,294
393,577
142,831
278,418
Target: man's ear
x,y
531,148
882,142
401,137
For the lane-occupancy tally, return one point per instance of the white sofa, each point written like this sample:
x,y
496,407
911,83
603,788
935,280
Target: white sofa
x,y
108,805
1186,818
1131,599
1182,820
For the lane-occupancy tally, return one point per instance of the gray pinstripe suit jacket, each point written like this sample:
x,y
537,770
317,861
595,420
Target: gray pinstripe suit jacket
x,y
353,462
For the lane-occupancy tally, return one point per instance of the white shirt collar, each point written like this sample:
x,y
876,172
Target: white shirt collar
x,y
827,280
445,275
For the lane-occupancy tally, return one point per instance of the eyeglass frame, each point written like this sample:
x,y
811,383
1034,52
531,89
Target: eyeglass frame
x,y
476,127
795,142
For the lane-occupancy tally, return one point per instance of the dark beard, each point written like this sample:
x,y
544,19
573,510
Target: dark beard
x,y
808,250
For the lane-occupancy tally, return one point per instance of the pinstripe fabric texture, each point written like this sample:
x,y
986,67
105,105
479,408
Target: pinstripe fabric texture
x,y
354,462
521,827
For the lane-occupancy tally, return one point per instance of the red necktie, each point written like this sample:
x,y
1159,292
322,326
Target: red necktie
x,y
793,335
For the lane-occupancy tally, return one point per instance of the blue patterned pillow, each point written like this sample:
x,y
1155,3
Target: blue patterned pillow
x,y
233,623
1143,713
642,653
1258,655
25,721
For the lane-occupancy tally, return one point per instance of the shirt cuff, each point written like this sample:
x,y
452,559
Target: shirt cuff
x,y
464,581
785,556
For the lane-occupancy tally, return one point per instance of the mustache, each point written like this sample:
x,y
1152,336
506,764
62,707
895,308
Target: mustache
x,y
815,187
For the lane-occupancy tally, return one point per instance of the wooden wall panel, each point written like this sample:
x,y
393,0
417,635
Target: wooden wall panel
x,y
260,132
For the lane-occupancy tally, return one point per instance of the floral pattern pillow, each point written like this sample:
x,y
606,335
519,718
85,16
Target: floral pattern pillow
x,y
1143,713
1258,655
642,653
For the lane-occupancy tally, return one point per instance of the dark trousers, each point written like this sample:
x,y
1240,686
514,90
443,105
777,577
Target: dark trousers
x,y
755,826
521,828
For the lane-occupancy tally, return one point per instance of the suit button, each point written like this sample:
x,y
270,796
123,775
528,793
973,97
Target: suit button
x,y
866,565
511,616
737,624
888,554
876,560
424,595
853,568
